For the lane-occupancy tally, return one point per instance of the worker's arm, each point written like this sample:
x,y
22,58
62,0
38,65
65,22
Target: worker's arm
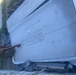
x,y
18,45
4,46
12,47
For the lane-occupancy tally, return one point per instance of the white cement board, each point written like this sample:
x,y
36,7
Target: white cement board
x,y
47,34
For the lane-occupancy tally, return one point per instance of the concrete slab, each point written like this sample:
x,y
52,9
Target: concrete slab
x,y
8,72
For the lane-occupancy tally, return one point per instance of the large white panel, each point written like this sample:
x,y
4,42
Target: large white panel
x,y
48,34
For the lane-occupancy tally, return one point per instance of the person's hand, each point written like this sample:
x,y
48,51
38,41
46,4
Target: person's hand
x,y
18,45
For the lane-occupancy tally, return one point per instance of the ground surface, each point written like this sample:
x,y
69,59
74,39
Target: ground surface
x,y
8,65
